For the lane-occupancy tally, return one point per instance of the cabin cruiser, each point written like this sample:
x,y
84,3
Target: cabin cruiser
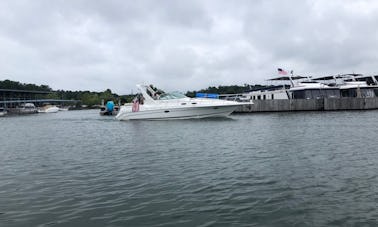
x,y
340,86
313,90
48,109
370,80
153,104
27,108
63,108
353,85
300,88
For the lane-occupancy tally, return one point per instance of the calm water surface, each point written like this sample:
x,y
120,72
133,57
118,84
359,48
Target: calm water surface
x,y
76,168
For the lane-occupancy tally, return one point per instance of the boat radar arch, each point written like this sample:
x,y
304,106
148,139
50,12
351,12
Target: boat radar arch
x,y
143,90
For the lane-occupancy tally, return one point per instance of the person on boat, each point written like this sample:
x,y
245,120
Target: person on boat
x,y
156,96
141,99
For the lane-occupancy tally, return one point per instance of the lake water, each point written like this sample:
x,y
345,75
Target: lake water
x,y
77,168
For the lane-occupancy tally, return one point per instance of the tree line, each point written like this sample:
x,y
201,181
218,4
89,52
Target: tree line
x,y
15,85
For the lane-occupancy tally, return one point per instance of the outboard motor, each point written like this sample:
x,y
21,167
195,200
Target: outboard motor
x,y
110,106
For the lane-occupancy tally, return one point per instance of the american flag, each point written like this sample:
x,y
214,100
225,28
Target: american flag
x,y
135,107
281,71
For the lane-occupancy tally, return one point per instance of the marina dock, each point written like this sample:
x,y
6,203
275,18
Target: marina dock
x,y
17,102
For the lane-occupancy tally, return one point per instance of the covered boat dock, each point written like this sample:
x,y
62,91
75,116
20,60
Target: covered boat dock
x,y
10,98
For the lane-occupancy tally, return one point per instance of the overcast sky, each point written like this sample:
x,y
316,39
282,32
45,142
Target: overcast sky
x,y
182,45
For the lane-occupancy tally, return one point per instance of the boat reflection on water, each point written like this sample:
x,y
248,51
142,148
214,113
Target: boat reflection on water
x,y
153,104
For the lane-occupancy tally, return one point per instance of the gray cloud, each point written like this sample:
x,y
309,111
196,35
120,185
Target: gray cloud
x,y
182,45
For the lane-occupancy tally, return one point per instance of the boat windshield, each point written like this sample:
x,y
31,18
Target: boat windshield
x,y
172,95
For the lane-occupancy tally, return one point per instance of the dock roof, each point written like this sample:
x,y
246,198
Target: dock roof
x,y
38,101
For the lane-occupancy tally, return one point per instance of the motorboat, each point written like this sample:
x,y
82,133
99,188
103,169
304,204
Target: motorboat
x,y
27,108
354,85
48,109
342,86
311,89
300,88
63,108
153,104
3,112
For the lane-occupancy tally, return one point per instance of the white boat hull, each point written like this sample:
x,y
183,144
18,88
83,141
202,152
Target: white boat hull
x,y
176,113
52,109
26,110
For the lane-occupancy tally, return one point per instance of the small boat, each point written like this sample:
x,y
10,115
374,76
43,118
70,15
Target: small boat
x,y
63,108
153,104
3,112
27,108
48,109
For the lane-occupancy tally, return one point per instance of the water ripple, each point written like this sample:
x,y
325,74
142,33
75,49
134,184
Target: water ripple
x,y
286,169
